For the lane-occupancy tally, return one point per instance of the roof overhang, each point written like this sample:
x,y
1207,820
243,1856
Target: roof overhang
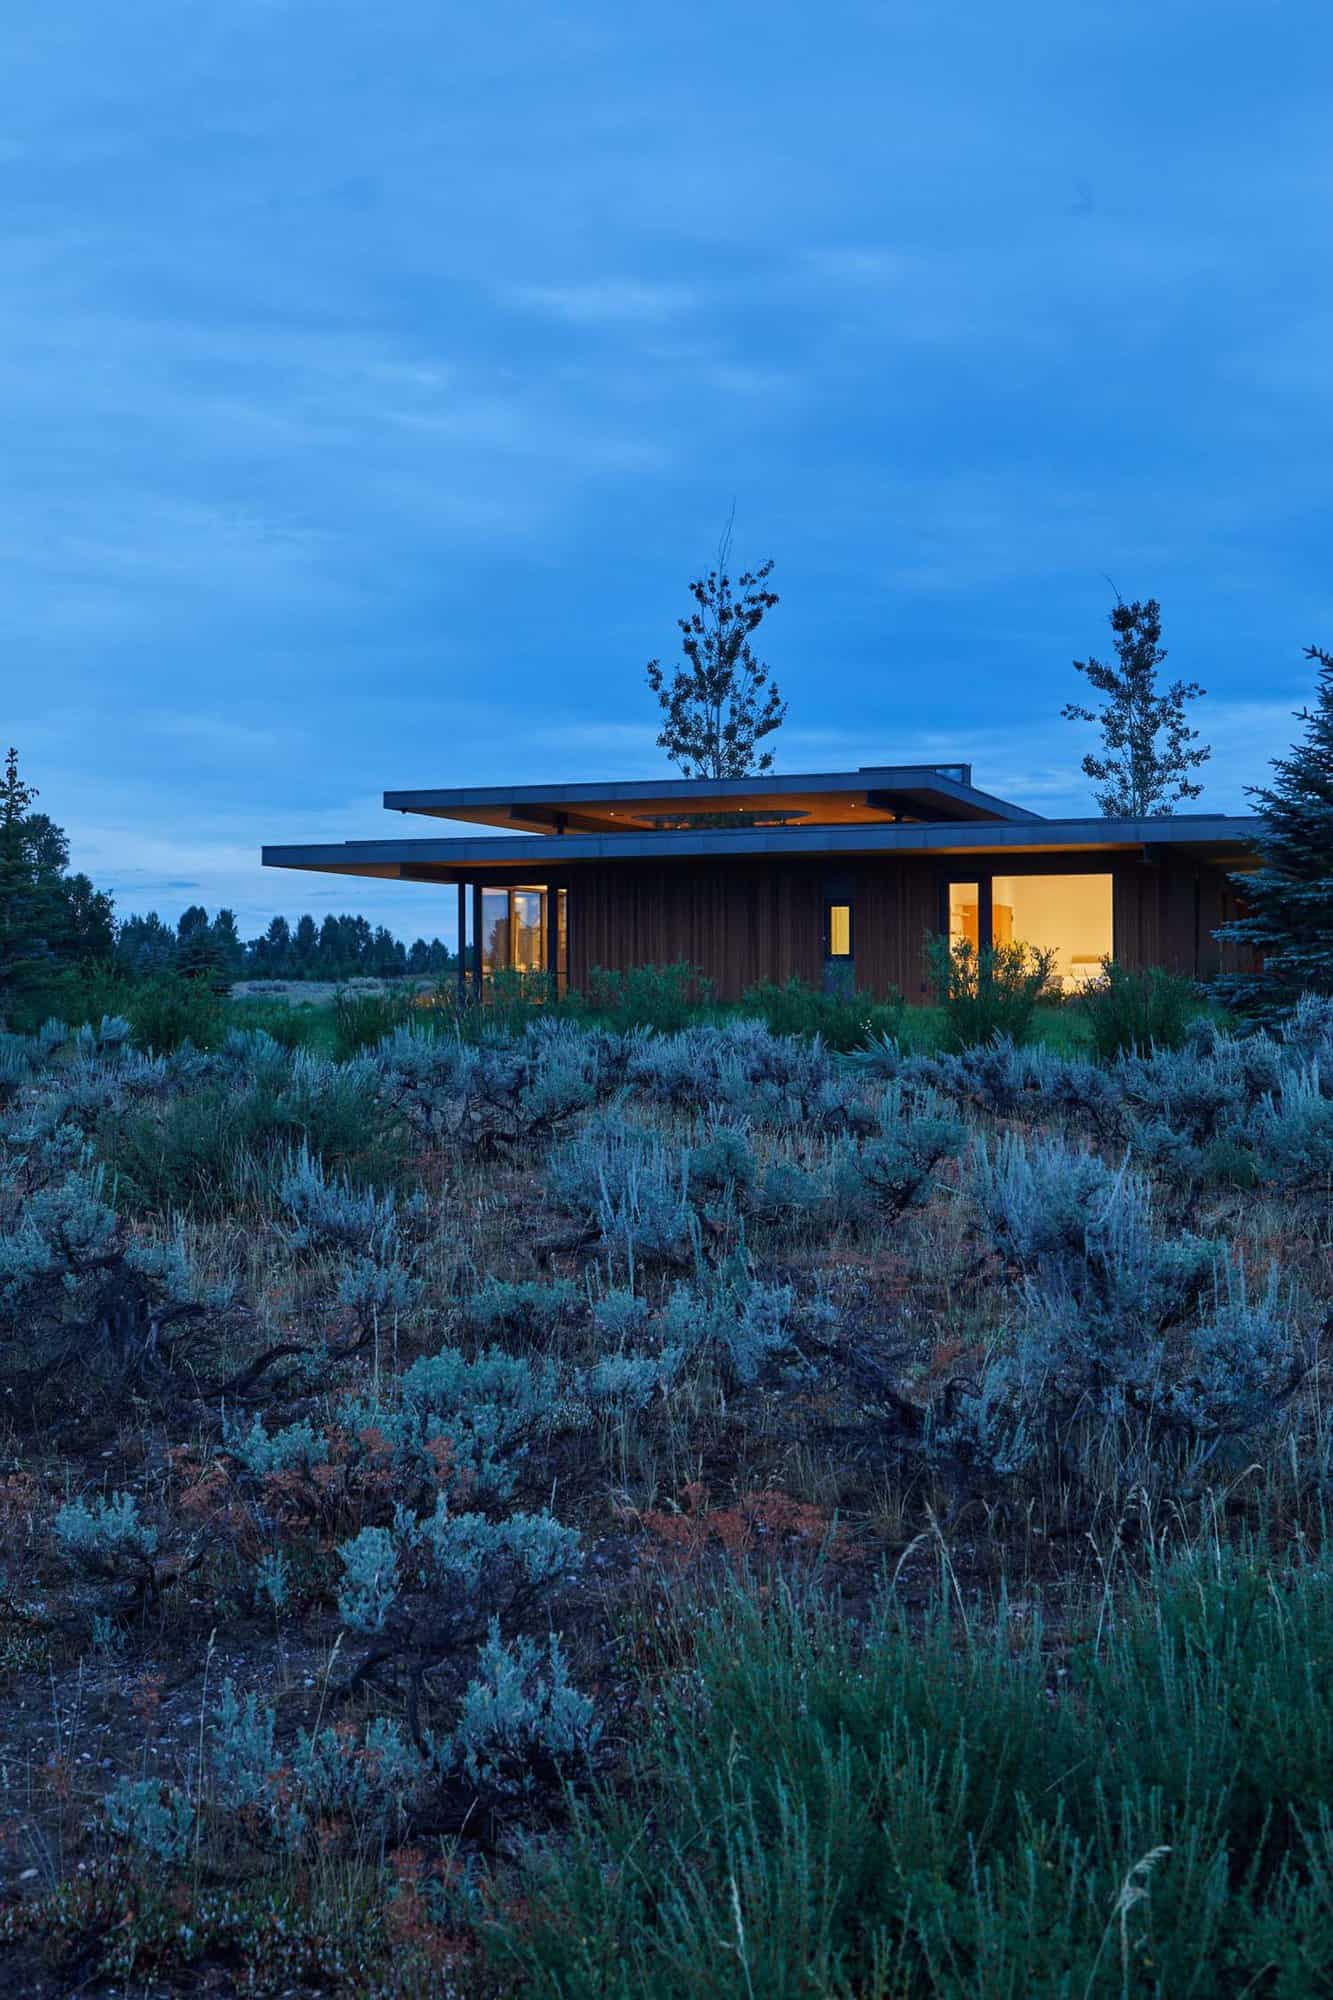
x,y
1221,838
878,794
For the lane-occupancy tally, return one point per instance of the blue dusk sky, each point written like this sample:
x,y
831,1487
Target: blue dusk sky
x,y
375,378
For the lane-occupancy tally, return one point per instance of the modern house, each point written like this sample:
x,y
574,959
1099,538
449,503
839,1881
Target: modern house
x,y
834,877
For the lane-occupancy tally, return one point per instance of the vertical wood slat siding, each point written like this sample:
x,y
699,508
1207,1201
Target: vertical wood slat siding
x,y
743,921
738,925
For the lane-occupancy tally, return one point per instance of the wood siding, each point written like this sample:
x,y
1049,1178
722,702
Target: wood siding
x,y
741,921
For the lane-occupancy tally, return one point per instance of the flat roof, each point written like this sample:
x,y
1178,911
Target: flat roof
x,y
882,794
1217,836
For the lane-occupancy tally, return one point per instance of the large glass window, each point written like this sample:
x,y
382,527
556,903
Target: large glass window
x,y
514,931
1069,915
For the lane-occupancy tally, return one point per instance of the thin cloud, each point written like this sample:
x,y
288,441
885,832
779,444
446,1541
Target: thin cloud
x,y
602,302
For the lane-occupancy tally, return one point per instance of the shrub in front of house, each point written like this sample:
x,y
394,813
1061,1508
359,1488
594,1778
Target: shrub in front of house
x,y
842,1021
1131,1012
664,998
995,991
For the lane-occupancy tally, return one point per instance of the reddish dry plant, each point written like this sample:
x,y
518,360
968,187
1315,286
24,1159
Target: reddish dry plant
x,y
354,1487
209,1498
147,1696
763,1523
408,1918
21,1498
60,1777
946,1354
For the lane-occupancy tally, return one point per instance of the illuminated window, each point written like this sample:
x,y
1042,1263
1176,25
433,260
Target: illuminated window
x,y
1069,915
494,930
515,932
527,930
965,914
838,930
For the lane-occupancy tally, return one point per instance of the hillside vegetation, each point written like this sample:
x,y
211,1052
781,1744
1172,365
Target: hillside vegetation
x,y
544,1504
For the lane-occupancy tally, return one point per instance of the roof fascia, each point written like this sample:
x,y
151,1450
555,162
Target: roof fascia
x,y
520,800
527,852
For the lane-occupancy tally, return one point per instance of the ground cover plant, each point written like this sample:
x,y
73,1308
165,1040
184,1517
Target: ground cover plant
x,y
553,1501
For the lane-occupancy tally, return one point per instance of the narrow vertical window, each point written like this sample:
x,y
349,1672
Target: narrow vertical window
x,y
527,930
965,914
494,932
838,930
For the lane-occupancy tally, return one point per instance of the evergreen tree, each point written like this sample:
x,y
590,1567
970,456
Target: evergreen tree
x,y
88,924
82,918
305,945
226,942
26,908
1289,901
48,917
1148,744
145,945
326,958
273,950
48,843
197,955
387,956
720,705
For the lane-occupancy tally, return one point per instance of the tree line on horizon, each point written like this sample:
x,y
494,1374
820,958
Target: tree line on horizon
x,y
338,948
54,924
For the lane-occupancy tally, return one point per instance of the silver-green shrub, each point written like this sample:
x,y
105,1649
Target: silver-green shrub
x,y
151,1816
741,1324
620,1316
106,1536
263,1452
328,1213
522,1311
895,1170
521,1712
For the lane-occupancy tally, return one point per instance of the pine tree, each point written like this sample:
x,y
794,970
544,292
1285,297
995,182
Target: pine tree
x,y
49,918
48,844
145,944
328,957
199,955
305,944
25,902
273,951
721,703
79,920
226,942
1289,900
1149,746
88,925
